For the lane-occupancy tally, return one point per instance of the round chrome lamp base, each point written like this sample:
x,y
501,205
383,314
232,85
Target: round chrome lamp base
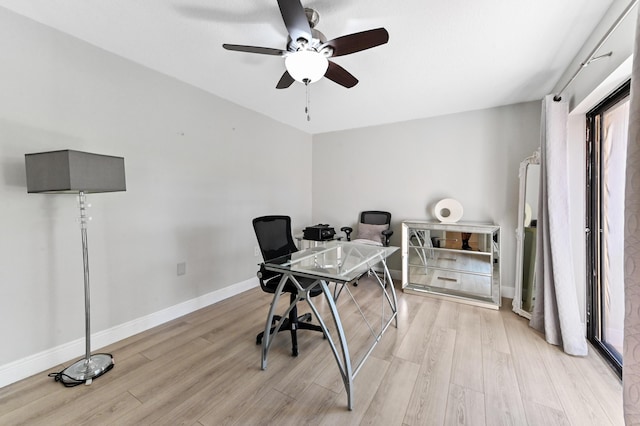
x,y
88,369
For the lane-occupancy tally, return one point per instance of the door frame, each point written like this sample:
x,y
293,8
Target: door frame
x,y
593,222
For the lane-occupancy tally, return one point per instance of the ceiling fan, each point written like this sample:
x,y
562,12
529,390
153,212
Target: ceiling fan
x,y
307,52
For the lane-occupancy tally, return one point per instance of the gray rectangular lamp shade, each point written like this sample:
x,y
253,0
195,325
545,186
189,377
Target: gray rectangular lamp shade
x,y
74,171
69,171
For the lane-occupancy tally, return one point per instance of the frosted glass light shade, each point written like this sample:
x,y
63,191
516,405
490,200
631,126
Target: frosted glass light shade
x,y
306,65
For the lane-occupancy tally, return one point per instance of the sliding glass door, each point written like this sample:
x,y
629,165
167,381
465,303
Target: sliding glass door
x,y
608,125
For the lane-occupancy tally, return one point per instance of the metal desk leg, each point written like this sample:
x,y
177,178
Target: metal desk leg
x,y
394,306
344,362
342,357
266,338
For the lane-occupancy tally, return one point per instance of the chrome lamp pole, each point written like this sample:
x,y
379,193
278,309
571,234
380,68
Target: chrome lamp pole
x,y
91,366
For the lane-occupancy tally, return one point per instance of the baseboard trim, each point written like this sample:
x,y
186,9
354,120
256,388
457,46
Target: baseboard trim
x,y
507,292
395,274
36,363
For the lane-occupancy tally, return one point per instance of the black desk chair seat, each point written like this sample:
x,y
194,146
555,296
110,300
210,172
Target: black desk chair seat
x,y
275,240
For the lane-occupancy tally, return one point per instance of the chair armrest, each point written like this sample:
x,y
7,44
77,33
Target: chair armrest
x,y
268,279
264,275
386,234
347,230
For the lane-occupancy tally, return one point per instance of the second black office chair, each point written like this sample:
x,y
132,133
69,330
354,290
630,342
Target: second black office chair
x,y
374,227
275,240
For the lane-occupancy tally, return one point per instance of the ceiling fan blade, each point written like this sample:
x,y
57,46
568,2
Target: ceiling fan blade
x,y
295,19
254,49
341,76
285,81
358,41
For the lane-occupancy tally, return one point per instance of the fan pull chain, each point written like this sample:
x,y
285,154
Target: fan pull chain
x,y
307,108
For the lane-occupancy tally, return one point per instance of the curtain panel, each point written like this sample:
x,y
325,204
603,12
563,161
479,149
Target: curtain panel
x,y
556,312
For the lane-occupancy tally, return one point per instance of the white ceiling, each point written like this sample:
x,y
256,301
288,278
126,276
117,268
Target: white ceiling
x,y
442,57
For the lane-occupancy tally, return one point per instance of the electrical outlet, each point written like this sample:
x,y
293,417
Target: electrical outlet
x,y
182,268
256,251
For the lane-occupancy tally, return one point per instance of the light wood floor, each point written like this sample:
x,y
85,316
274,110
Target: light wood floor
x,y
445,364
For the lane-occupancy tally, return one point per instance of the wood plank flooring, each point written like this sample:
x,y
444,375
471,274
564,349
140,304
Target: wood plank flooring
x,y
445,364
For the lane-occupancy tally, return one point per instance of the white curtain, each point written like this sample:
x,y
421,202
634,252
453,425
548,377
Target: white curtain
x,y
631,352
556,312
615,124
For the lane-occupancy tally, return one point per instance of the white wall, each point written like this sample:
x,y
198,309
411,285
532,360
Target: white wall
x,y
198,170
405,168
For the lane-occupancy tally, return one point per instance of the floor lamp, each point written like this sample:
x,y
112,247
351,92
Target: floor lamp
x,y
76,172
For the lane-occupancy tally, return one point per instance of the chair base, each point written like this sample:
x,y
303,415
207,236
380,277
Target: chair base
x,y
355,284
302,323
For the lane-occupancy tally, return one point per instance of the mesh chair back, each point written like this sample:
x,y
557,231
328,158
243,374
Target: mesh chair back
x,y
274,236
375,217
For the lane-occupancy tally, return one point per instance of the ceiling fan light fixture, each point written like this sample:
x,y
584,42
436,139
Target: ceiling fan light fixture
x,y
306,65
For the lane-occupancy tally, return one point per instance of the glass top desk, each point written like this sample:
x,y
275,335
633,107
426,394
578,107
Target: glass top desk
x,y
339,262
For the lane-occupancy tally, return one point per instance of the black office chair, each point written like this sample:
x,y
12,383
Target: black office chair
x,y
275,240
374,228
